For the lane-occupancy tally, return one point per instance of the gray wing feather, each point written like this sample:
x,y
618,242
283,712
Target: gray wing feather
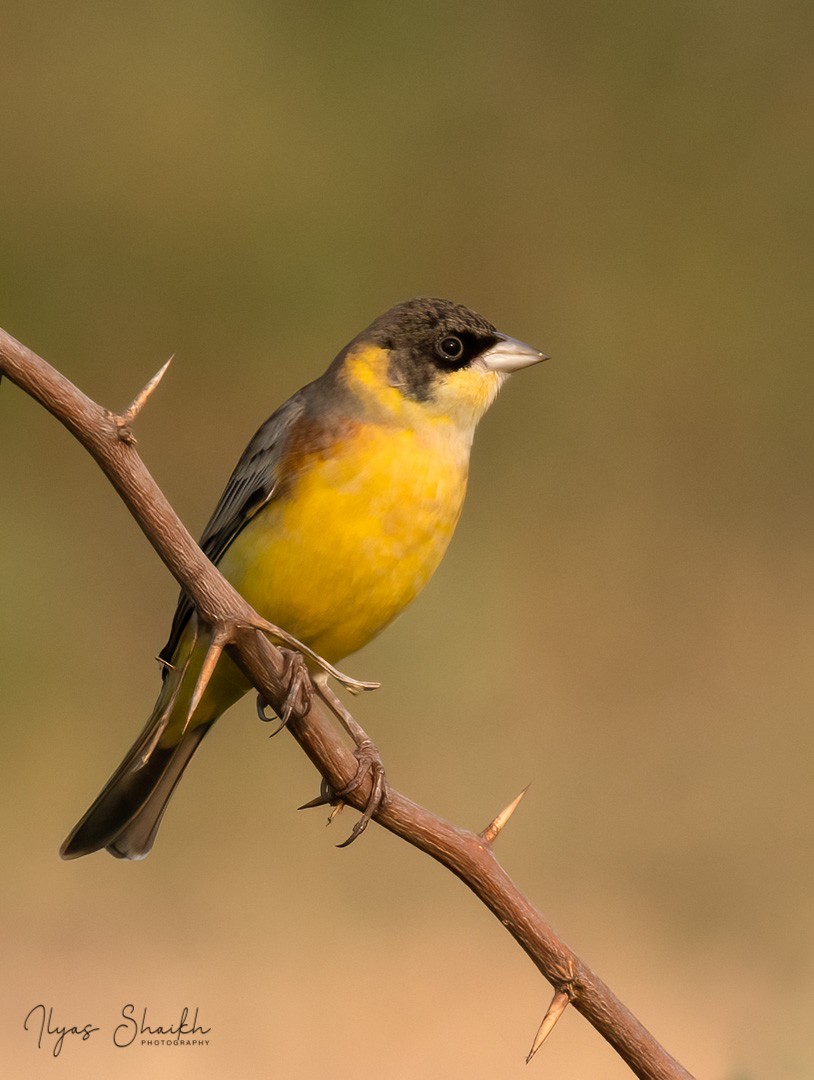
x,y
253,483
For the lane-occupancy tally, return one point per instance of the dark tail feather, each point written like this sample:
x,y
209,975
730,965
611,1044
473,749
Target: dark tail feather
x,y
126,815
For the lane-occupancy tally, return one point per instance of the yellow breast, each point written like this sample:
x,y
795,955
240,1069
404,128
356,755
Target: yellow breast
x,y
355,537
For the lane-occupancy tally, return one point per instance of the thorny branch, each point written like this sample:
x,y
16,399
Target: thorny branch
x,y
231,623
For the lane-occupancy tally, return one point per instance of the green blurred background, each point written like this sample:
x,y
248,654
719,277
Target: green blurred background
x,y
625,617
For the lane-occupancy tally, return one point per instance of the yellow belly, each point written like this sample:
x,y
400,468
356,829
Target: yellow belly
x,y
355,537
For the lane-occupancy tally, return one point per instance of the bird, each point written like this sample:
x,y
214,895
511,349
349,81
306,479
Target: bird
x,y
334,519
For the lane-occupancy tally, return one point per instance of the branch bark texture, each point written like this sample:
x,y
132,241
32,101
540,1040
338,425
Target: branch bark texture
x,y
468,855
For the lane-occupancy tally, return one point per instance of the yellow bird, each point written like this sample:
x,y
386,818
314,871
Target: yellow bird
x,y
335,518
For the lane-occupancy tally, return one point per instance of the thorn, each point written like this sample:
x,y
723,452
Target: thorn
x,y
124,421
320,800
494,827
326,797
164,717
217,643
555,1011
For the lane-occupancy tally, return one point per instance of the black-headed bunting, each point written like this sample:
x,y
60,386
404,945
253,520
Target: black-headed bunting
x,y
335,518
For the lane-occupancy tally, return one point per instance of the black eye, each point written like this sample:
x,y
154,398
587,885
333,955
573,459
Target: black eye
x,y
450,347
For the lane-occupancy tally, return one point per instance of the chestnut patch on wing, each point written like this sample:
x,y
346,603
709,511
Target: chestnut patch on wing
x,y
311,436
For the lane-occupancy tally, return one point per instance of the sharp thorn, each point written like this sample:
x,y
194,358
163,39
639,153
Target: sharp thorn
x,y
140,400
555,1011
320,800
179,682
213,654
494,827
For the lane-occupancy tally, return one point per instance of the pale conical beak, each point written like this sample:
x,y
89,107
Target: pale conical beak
x,y
510,355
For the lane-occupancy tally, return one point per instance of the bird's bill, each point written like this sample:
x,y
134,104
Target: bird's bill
x,y
510,355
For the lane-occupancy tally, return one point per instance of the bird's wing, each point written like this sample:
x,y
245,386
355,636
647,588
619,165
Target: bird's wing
x,y
257,478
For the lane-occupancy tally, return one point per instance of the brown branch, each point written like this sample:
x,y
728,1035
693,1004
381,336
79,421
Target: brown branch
x,y
231,620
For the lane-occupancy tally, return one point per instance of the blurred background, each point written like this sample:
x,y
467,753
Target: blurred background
x,y
625,618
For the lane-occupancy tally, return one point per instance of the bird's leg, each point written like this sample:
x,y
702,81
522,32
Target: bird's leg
x,y
368,761
300,686
296,679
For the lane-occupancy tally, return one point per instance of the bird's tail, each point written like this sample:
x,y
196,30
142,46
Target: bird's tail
x,y
126,815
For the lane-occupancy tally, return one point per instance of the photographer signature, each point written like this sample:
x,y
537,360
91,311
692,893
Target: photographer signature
x,y
51,1034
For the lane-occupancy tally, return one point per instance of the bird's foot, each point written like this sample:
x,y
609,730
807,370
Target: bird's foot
x,y
368,762
296,679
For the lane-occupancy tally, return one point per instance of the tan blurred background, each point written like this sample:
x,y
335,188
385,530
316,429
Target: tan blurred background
x,y
626,617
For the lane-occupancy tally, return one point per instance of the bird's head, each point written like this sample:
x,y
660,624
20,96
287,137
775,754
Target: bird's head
x,y
431,360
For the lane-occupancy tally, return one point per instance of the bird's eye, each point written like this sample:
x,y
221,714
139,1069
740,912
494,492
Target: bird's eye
x,y
450,348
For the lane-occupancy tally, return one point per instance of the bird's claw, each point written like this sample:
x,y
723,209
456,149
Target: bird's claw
x,y
296,679
368,762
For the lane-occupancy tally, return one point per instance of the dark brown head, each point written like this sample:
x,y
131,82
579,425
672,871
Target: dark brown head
x,y
435,354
